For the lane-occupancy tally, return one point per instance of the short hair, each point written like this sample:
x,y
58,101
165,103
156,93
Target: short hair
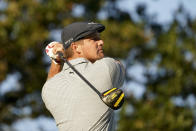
x,y
69,51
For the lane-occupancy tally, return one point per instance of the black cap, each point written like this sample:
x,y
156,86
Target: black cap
x,y
79,30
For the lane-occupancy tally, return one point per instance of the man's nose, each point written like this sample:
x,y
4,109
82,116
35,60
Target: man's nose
x,y
100,42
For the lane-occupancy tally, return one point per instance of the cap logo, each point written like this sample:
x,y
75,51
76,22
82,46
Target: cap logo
x,y
68,41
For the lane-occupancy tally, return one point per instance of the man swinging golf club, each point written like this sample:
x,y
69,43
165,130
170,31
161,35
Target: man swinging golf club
x,y
82,87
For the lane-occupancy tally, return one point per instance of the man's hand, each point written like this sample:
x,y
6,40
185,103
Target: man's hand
x,y
52,50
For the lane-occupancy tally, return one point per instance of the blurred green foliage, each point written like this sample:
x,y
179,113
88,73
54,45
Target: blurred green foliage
x,y
25,28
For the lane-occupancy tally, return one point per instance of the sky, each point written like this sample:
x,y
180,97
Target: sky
x,y
163,9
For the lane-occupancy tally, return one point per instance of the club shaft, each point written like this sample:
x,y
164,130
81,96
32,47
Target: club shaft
x,y
82,77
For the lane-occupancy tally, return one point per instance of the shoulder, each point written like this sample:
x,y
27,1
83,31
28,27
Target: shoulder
x,y
107,61
55,81
104,65
54,85
115,69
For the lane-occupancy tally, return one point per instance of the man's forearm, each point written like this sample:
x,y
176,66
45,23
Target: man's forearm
x,y
54,69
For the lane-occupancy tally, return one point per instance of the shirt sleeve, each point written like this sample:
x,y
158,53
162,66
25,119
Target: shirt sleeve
x,y
116,71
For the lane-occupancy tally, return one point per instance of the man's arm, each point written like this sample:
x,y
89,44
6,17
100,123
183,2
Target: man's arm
x,y
52,50
54,69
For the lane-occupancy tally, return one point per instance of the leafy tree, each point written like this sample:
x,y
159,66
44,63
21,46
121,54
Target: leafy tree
x,y
172,52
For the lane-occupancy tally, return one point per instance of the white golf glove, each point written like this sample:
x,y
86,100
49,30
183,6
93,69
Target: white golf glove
x,y
51,52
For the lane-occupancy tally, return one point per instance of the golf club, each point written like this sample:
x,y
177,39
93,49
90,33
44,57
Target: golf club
x,y
113,98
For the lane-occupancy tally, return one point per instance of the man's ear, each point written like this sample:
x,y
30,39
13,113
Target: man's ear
x,y
76,48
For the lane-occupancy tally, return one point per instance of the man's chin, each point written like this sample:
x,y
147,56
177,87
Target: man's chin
x,y
101,56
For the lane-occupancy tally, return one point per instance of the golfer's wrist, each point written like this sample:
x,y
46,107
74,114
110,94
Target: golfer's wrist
x,y
57,62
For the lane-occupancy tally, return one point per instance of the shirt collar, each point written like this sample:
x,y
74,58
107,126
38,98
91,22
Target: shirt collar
x,y
75,62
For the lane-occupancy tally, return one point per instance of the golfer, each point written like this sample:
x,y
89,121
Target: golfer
x,y
75,106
